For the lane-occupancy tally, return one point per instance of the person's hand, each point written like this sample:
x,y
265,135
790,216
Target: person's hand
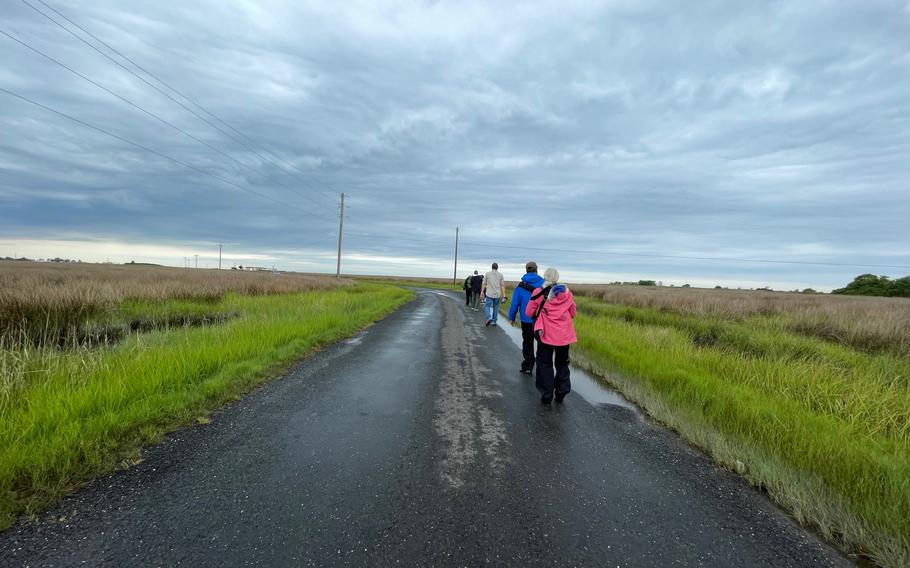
x,y
505,298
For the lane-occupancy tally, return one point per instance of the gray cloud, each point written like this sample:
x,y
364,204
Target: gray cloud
x,y
767,130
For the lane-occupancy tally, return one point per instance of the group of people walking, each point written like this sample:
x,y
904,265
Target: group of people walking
x,y
546,309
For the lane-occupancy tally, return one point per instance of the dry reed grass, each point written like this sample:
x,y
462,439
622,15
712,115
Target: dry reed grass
x,y
861,322
37,301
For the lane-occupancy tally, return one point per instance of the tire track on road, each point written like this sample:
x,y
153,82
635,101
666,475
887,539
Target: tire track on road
x,y
467,428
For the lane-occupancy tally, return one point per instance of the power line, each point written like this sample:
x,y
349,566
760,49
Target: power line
x,y
175,90
464,243
147,149
133,73
140,108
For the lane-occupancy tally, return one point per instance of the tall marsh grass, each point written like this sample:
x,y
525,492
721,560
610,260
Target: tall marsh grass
x,y
808,397
50,303
862,322
73,410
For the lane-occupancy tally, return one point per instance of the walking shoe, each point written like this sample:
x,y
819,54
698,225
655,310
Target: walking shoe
x,y
545,400
527,371
559,398
488,323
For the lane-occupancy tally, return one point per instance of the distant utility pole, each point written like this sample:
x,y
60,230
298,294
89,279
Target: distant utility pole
x,y
455,275
219,256
197,260
340,235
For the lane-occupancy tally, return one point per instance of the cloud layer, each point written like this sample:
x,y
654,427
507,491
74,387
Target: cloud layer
x,y
748,130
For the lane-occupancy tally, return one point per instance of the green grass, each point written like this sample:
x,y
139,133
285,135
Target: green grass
x,y
66,416
823,427
434,284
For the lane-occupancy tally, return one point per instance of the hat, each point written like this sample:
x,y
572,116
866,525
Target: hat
x,y
531,266
550,276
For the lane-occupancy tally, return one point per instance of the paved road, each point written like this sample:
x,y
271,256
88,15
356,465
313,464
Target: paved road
x,y
417,443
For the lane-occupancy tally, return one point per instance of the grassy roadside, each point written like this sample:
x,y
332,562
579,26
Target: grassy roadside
x,y
824,427
66,416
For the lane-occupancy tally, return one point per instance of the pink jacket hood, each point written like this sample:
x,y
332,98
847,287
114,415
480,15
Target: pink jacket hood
x,y
555,320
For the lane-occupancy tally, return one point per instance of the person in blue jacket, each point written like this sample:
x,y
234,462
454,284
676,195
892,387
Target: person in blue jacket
x,y
529,282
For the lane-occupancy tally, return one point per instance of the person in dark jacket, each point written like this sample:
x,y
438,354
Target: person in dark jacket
x,y
476,285
467,290
529,282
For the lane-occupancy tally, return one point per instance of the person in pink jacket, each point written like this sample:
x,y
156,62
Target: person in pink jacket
x,y
553,309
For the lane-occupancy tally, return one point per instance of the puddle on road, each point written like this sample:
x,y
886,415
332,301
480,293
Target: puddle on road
x,y
356,340
583,384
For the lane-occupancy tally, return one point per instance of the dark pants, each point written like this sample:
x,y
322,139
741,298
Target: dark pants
x,y
467,297
547,380
527,346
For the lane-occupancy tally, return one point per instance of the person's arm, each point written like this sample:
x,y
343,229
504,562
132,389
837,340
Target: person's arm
x,y
513,308
572,309
533,304
502,293
483,288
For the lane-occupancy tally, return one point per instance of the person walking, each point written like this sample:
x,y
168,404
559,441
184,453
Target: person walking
x,y
520,298
494,292
554,308
476,286
467,290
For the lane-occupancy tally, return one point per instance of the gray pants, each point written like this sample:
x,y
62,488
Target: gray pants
x,y
475,300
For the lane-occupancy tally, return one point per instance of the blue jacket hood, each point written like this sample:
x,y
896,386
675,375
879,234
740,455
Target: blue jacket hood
x,y
533,279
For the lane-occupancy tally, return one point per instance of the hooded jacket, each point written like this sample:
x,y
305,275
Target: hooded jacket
x,y
521,296
555,320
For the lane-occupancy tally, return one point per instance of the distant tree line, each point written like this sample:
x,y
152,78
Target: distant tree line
x,y
872,285
57,260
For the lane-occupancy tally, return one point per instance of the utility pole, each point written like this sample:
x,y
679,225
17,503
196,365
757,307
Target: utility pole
x,y
197,260
219,256
340,235
455,275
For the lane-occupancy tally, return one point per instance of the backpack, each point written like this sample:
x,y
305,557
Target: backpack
x,y
467,283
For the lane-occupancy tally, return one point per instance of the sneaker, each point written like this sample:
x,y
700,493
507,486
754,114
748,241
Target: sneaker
x,y
544,400
560,397
494,323
488,323
527,371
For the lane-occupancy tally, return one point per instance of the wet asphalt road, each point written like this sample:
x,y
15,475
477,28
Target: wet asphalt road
x,y
417,443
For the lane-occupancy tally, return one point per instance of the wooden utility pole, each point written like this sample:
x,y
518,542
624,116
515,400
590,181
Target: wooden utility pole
x,y
455,275
340,236
219,256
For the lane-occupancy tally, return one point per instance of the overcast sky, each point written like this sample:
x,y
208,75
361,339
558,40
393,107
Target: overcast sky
x,y
633,130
